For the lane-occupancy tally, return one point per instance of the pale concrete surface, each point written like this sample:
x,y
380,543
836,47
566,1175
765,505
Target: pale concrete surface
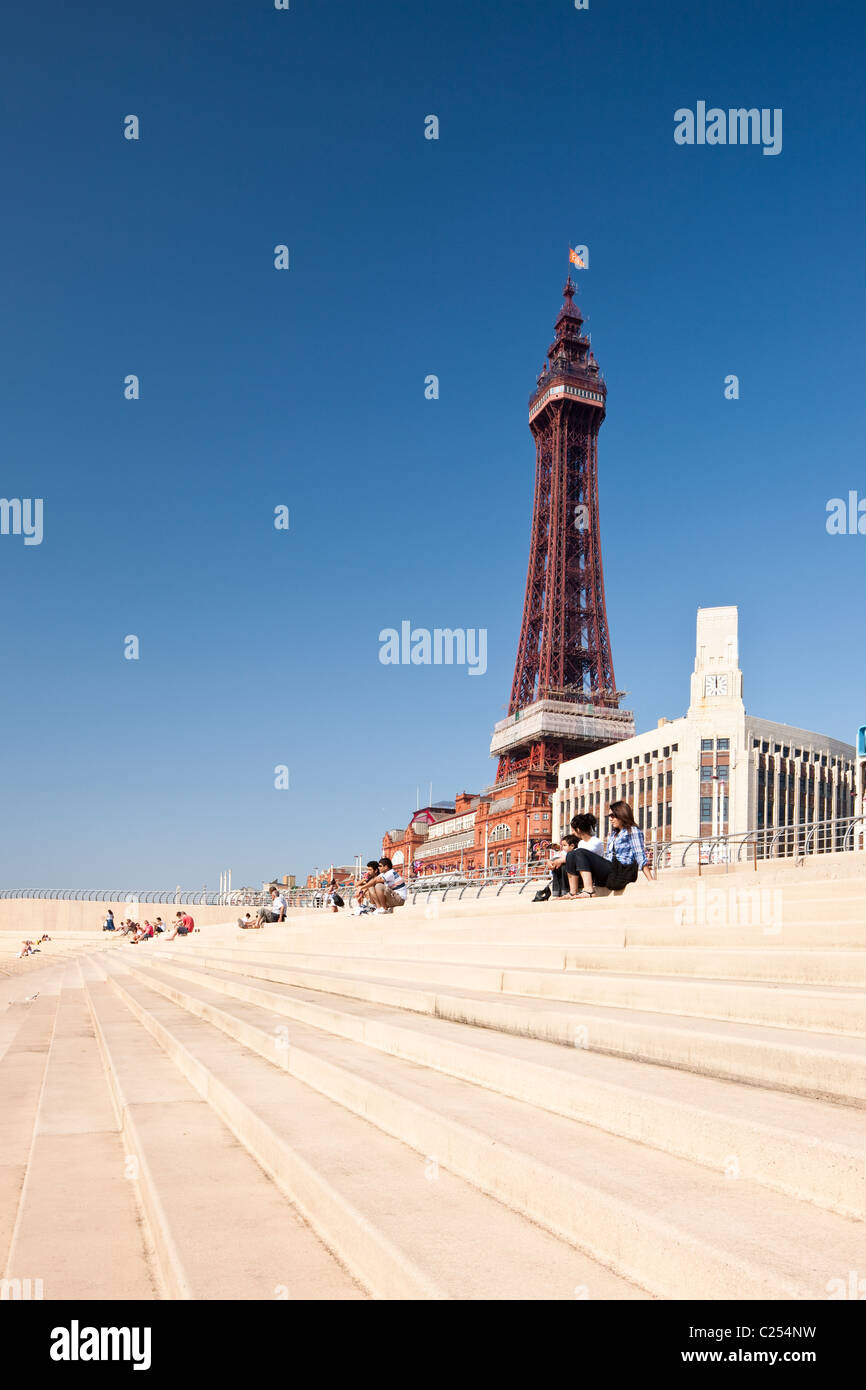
x,y
489,1100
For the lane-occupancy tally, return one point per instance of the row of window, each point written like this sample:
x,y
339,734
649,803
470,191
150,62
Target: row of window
x,y
803,754
663,816
722,744
617,767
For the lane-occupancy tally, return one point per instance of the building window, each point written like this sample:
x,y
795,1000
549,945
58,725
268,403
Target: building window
x,y
723,772
675,748
723,744
508,856
706,772
649,819
666,752
706,745
669,779
668,812
706,810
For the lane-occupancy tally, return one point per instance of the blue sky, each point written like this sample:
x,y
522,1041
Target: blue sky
x,y
306,388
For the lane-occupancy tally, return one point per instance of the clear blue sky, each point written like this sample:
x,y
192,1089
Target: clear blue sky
x,y
306,388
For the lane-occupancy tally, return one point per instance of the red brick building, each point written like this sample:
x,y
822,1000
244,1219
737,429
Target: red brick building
x,y
498,829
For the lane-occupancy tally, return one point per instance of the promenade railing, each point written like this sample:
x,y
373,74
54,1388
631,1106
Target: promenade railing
x,y
803,841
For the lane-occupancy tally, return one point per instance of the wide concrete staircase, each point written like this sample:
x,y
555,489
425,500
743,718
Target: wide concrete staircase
x,y
653,1096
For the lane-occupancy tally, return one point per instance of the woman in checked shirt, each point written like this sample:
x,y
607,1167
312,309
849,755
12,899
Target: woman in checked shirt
x,y
624,854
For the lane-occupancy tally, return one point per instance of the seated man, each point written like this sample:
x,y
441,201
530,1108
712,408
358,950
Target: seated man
x,y
246,923
183,925
386,888
361,904
275,912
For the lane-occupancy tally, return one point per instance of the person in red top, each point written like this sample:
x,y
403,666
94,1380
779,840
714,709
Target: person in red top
x,y
183,925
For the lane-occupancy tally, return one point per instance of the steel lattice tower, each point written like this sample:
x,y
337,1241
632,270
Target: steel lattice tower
x,y
564,699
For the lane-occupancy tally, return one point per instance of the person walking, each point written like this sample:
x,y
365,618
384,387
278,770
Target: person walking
x,y
624,855
108,924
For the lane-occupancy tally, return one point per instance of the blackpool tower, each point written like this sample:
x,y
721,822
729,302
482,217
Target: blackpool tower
x,y
564,700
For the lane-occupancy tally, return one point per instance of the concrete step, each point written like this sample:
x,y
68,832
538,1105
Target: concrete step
x,y
790,1143
776,965
810,1007
75,1192
185,1162
676,1228
406,1228
27,1029
574,925
816,1064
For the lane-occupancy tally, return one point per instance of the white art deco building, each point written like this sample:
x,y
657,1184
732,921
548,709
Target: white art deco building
x,y
716,770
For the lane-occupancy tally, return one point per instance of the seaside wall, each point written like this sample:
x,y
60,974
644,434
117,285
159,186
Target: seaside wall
x,y
32,916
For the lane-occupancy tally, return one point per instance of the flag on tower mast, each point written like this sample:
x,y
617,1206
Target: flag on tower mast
x,y
575,259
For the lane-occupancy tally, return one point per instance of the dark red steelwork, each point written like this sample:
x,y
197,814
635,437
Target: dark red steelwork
x,y
564,650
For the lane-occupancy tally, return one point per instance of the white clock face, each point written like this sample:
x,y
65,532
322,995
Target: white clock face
x,y
716,685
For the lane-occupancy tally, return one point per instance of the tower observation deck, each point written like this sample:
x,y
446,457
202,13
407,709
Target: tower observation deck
x,y
564,700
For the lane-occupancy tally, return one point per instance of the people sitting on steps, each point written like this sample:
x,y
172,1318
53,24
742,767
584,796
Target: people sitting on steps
x,y
624,855
386,888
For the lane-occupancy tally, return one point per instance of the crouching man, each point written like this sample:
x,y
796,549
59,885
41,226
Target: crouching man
x,y
386,889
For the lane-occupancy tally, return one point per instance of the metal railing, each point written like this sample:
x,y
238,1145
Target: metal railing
x,y
183,897
802,841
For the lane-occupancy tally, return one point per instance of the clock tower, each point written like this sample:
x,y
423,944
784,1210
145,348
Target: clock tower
x,y
717,681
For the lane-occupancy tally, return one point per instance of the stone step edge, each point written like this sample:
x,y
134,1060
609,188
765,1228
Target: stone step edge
x,y
567,1030
377,1264
520,982
6,1267
544,1086
173,1279
570,1209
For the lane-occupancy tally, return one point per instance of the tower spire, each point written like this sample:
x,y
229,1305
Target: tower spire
x,y
564,655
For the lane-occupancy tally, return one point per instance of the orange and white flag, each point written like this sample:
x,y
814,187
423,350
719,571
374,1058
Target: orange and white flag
x,y
575,259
